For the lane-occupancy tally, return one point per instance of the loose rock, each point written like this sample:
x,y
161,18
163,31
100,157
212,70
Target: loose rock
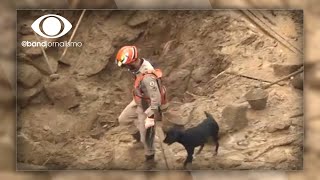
x,y
285,69
41,64
28,75
297,81
24,95
54,77
282,125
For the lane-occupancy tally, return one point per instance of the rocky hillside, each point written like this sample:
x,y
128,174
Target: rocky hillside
x,y
67,114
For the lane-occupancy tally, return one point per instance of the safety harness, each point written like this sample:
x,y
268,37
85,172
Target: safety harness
x,y
138,94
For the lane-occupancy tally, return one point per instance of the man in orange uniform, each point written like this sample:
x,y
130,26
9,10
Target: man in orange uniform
x,y
148,96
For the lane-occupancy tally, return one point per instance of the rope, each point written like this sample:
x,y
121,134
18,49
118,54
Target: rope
x,y
164,155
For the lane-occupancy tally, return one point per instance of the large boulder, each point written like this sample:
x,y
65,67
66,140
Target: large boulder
x,y
176,115
191,114
28,75
235,116
63,93
93,60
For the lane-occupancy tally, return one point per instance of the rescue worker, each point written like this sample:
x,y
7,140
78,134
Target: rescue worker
x,y
141,114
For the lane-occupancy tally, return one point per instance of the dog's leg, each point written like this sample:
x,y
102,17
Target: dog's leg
x,y
217,147
190,151
201,147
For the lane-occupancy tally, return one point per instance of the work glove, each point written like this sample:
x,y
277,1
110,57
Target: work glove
x,y
149,122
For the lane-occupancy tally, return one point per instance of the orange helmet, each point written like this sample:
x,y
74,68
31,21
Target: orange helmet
x,y
126,55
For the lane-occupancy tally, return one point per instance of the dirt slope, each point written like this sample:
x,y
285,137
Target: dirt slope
x,y
70,121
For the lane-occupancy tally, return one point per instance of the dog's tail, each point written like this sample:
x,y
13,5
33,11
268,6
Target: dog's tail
x,y
216,125
209,116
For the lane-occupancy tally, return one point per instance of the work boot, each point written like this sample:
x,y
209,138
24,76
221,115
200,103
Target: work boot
x,y
150,162
136,136
137,144
150,157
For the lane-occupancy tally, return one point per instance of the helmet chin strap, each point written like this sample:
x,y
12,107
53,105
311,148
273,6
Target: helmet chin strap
x,y
137,71
134,72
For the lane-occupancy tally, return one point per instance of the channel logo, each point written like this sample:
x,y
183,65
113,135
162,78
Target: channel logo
x,y
51,26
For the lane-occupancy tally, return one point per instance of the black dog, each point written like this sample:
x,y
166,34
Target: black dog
x,y
194,137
